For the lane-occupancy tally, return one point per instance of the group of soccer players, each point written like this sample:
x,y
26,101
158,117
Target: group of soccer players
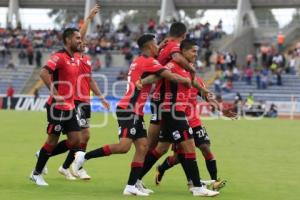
x,y
174,105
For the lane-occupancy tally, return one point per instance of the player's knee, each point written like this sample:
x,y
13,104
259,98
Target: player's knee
x,y
74,142
124,148
205,149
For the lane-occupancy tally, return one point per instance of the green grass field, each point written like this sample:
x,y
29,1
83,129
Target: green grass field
x,y
260,160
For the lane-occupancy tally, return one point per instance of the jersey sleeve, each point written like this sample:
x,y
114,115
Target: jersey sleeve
x,y
155,67
174,48
53,63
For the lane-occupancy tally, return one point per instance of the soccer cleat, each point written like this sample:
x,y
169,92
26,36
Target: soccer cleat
x,y
190,185
219,184
140,185
203,192
38,179
133,190
82,174
77,163
208,182
66,173
45,170
158,176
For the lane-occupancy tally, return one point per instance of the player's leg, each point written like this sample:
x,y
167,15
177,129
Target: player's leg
x,y
154,127
168,163
133,184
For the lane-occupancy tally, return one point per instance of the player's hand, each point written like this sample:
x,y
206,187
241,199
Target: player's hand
x,y
59,99
94,11
138,84
228,112
188,83
210,96
105,104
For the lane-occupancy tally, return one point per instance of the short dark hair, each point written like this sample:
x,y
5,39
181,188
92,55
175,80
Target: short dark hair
x,y
68,32
144,39
187,44
177,29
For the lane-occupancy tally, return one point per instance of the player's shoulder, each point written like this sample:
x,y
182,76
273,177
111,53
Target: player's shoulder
x,y
173,43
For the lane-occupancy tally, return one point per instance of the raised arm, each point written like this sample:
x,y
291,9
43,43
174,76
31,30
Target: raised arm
x,y
85,25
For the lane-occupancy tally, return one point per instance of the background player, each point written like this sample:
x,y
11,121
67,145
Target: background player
x,y
60,75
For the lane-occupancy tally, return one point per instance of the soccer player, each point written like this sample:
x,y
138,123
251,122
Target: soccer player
x,y
85,83
202,141
175,128
170,51
60,75
130,114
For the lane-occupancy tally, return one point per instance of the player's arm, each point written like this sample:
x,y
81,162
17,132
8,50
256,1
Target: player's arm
x,y
96,90
90,17
147,80
178,58
167,74
46,76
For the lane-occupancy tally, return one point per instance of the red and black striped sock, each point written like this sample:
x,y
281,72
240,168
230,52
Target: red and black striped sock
x,y
62,147
103,151
136,169
44,155
191,167
150,159
168,163
211,165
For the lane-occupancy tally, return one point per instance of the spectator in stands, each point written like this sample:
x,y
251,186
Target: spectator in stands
x,y
265,78
2,51
11,64
272,113
227,86
249,101
108,59
238,104
280,41
30,55
97,65
122,76
38,58
217,85
248,75
151,25
258,77
9,95
291,66
22,57
128,55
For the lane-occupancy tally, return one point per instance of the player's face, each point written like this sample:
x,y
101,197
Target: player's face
x,y
153,47
191,54
76,42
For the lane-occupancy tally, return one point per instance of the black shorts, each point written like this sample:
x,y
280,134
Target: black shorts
x,y
175,128
200,136
130,125
155,110
64,121
84,112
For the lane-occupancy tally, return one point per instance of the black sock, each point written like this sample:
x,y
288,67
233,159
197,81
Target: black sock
x,y
136,169
150,160
191,166
44,155
60,148
182,162
168,163
211,166
103,151
69,159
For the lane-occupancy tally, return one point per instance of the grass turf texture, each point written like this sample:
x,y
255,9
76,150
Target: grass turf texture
x,y
260,160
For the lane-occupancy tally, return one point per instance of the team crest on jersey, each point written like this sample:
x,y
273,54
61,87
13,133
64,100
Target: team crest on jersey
x,y
170,65
57,127
133,131
89,62
190,131
155,62
54,59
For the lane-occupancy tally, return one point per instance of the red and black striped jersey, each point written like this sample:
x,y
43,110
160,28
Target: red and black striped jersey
x,y
83,82
176,94
165,56
192,111
135,99
64,69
